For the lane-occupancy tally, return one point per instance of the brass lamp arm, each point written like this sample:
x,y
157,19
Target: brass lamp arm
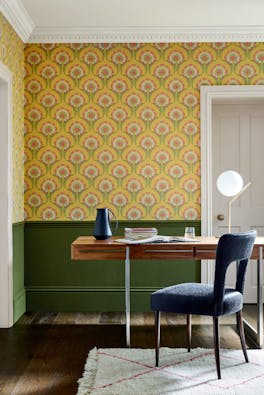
x,y
232,201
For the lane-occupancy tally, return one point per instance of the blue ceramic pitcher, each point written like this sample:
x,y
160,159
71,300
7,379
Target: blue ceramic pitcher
x,y
102,227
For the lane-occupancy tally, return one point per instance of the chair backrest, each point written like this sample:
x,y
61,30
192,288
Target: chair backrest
x,y
232,247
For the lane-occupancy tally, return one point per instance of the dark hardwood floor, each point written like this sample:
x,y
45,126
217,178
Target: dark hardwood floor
x,y
44,354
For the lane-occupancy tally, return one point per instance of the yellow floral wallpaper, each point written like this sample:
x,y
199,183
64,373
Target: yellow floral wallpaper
x,y
12,55
117,125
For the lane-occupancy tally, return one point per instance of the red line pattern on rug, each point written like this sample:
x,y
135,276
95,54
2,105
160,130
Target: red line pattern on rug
x,y
164,369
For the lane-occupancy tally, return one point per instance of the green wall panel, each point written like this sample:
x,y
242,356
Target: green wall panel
x,y
19,296
56,283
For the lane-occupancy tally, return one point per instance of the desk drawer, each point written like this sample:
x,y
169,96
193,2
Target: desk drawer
x,y
255,252
209,252
161,251
86,253
205,252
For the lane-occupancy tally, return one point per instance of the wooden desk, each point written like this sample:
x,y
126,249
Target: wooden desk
x,y
87,248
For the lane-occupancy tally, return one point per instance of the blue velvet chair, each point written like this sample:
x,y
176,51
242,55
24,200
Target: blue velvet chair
x,y
212,300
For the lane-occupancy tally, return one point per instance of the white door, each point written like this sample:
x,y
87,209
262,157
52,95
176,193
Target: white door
x,y
238,144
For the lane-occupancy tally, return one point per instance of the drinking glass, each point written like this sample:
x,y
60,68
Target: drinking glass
x,y
189,232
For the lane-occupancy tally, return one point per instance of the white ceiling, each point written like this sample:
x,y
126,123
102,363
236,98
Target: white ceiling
x,y
136,20
116,13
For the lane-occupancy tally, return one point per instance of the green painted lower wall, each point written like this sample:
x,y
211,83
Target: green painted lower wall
x,y
54,282
19,294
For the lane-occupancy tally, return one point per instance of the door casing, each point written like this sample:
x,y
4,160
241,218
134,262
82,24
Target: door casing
x,y
6,199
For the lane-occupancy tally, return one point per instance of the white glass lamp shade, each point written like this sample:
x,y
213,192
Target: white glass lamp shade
x,y
229,183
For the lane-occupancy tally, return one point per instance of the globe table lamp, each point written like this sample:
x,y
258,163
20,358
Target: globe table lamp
x,y
230,184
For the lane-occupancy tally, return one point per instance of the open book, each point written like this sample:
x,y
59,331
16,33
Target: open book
x,y
157,239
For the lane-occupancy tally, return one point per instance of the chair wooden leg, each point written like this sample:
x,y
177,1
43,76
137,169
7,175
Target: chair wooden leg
x,y
216,346
189,331
157,335
241,333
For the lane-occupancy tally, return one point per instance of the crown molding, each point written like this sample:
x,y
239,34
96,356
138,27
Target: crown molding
x,y
17,16
147,34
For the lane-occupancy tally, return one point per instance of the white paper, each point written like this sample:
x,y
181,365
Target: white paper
x,y
157,239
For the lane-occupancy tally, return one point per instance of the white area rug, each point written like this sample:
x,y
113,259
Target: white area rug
x,y
124,371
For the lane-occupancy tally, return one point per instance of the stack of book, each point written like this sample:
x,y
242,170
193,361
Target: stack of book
x,y
140,233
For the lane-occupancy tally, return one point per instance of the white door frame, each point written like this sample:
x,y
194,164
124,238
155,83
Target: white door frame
x,y
6,199
209,95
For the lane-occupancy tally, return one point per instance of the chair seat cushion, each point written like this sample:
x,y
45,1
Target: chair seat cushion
x,y
194,298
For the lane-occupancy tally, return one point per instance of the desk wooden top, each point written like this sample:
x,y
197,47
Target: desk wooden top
x,y
88,248
91,241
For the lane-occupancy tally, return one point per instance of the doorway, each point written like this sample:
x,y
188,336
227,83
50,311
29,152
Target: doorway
x,y
237,144
6,261
210,96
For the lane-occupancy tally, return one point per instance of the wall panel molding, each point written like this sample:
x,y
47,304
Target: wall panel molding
x,y
54,282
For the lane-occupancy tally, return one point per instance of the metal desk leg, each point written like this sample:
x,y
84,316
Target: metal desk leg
x,y
260,299
127,285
